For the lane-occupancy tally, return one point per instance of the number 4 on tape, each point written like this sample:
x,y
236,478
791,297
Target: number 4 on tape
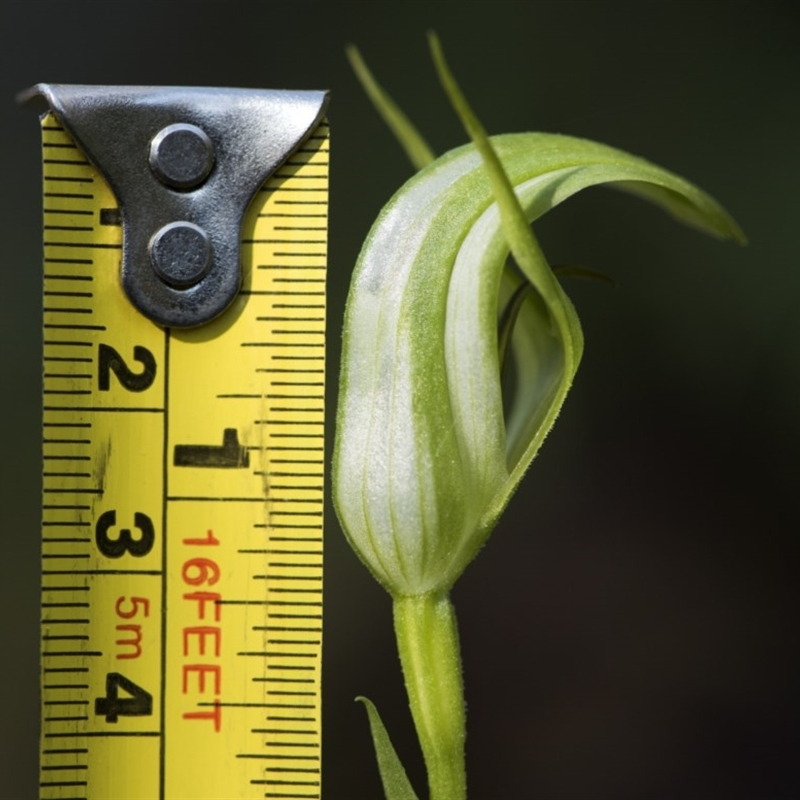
x,y
184,365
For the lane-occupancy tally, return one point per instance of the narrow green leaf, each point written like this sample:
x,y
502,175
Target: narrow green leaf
x,y
410,139
396,785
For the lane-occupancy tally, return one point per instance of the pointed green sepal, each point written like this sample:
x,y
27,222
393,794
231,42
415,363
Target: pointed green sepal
x,y
410,139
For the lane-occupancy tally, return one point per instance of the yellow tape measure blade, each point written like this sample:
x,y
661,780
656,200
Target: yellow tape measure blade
x,y
182,506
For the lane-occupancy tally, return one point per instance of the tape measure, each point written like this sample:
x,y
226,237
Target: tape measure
x,y
183,460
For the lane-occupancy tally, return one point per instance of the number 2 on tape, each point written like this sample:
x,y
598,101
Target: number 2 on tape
x,y
184,317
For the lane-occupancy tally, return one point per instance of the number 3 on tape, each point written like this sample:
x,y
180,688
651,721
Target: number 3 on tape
x,y
185,237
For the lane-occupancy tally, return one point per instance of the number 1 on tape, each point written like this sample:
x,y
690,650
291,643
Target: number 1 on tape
x,y
183,443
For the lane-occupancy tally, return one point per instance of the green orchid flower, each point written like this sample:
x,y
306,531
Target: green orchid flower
x,y
428,450
425,458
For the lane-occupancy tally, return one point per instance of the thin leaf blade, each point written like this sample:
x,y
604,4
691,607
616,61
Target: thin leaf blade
x,y
396,785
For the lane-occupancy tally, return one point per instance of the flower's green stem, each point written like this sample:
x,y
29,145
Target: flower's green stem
x,y
427,637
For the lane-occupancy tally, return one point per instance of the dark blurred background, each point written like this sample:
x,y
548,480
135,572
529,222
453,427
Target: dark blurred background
x,y
629,630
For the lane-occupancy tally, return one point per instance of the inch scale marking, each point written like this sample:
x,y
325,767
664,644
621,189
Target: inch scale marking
x,y
182,510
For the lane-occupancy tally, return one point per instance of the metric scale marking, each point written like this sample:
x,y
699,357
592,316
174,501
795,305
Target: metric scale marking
x,y
182,522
